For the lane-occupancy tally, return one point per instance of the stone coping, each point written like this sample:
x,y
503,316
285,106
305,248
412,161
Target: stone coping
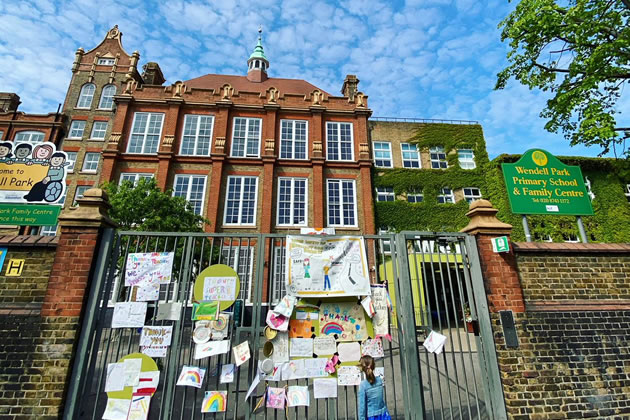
x,y
573,248
29,240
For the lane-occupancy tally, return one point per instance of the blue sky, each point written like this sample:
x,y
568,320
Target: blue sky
x,y
415,58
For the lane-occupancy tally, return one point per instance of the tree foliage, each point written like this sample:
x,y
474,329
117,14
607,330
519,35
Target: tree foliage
x,y
579,50
147,208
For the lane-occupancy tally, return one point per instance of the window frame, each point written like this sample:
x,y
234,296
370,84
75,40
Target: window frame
x,y
110,99
30,136
341,204
473,197
94,124
387,194
195,141
73,128
415,194
189,188
82,94
292,140
339,142
374,151
78,188
145,133
240,201
466,160
402,156
70,168
278,285
438,150
86,161
246,140
137,177
110,61
441,194
292,216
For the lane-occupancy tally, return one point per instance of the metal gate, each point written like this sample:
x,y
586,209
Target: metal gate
x,y
434,281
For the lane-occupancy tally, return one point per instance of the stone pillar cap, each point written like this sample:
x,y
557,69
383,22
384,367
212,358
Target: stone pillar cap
x,y
483,219
91,212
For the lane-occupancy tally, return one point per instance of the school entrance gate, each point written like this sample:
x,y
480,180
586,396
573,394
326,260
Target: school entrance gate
x,y
435,283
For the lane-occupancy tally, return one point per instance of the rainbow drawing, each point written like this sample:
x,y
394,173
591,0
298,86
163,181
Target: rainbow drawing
x,y
332,328
191,376
214,402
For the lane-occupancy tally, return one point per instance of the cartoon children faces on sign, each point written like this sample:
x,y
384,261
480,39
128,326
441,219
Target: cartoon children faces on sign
x,y
31,174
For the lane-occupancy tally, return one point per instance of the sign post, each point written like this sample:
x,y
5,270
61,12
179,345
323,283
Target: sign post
x,y
538,183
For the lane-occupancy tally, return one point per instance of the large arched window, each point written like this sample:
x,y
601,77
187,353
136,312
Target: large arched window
x,y
29,137
107,97
87,93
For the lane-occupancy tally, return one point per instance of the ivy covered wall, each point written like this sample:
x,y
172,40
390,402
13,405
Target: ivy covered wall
x,y
608,177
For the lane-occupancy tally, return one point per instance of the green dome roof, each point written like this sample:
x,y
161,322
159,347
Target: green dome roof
x,y
258,51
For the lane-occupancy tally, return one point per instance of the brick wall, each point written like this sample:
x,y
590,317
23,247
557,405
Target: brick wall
x,y
29,380
573,359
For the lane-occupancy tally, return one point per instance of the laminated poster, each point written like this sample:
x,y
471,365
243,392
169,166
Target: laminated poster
x,y
219,288
380,320
241,353
191,376
298,396
343,320
148,267
372,347
139,408
301,347
211,348
318,266
348,376
325,388
129,314
227,373
324,345
214,402
169,311
275,397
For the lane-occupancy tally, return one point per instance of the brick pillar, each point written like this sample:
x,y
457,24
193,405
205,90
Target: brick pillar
x,y
66,294
500,273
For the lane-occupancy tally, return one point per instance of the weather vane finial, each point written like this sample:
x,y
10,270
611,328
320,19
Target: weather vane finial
x,y
259,31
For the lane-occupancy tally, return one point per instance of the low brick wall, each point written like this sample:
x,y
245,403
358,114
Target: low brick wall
x,y
29,384
573,359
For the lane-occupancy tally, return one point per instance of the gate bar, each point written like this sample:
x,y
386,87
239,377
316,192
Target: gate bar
x,y
89,321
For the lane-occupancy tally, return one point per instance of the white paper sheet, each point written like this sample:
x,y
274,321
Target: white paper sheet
x,y
315,367
280,347
241,353
298,396
366,302
276,375
154,351
254,384
325,388
139,408
301,347
169,311
211,348
149,267
129,314
115,377
132,371
324,345
285,306
147,382
348,376
227,373
116,409
434,343
349,352
219,288
380,372
147,291
293,370
156,335
277,322
191,376
372,347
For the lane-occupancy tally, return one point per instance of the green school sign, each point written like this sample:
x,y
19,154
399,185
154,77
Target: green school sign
x,y
540,184
29,214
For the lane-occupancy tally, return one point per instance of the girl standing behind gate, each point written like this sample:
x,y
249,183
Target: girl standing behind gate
x,y
371,395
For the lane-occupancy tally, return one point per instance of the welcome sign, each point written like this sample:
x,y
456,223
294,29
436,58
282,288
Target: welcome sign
x,y
540,184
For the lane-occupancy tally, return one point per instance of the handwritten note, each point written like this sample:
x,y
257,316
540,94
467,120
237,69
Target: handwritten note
x,y
348,376
211,348
241,353
301,347
280,347
324,346
149,267
129,314
156,335
116,409
219,288
131,368
349,352
372,347
154,351
315,367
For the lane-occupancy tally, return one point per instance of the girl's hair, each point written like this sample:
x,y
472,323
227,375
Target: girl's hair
x,y
367,365
43,146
